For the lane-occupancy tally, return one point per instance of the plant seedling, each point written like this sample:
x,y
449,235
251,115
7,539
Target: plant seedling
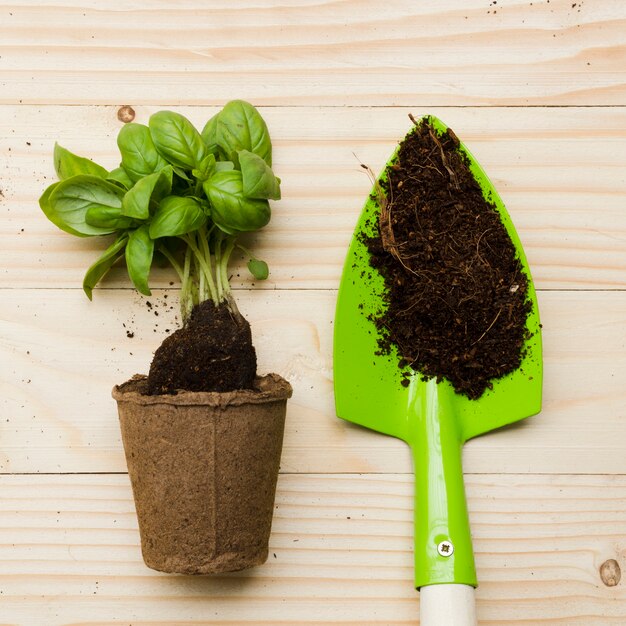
x,y
179,193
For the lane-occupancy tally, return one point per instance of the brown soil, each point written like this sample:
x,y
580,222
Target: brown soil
x,y
456,295
213,351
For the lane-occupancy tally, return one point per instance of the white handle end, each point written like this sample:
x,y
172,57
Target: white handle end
x,y
447,605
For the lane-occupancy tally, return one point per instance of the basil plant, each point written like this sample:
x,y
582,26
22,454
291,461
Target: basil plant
x,y
179,193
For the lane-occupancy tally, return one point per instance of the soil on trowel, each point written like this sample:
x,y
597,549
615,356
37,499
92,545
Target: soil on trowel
x,y
456,294
213,351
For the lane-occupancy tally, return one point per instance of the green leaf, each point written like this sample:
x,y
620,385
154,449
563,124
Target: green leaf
x,y
121,177
176,138
209,132
152,188
205,168
72,198
139,252
241,127
68,164
224,166
258,269
109,217
111,255
231,211
181,173
176,216
51,214
139,155
258,179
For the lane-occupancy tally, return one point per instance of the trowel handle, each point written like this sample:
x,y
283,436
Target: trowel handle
x,y
447,605
443,542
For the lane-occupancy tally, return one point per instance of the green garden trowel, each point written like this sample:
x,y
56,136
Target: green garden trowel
x,y
433,419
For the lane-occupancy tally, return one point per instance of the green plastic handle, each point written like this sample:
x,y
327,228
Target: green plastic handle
x,y
443,543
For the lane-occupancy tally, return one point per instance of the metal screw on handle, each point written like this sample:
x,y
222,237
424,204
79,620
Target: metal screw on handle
x,y
445,548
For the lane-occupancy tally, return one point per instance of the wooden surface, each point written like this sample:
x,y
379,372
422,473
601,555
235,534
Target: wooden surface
x,y
536,90
340,552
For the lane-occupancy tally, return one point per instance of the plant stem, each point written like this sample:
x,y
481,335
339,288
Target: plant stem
x,y
186,296
223,269
212,281
204,265
219,237
174,263
203,237
202,288
245,250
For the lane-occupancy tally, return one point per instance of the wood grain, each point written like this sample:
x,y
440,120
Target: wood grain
x,y
559,171
340,553
62,354
330,53
538,92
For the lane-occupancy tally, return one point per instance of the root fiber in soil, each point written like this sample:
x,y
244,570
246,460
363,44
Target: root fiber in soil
x,y
455,290
213,351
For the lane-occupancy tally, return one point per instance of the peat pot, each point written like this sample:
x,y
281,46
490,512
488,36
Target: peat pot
x,y
203,468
